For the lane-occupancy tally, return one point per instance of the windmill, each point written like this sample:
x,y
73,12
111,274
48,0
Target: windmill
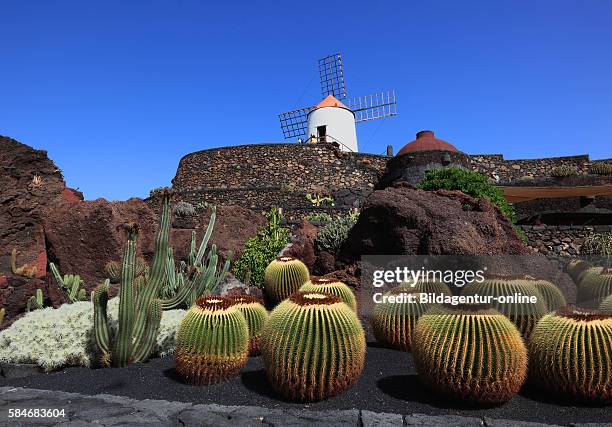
x,y
333,119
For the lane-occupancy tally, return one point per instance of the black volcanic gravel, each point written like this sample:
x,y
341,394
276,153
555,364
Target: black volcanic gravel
x,y
388,384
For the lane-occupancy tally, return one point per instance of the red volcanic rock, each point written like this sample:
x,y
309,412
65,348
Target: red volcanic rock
x,y
405,221
303,245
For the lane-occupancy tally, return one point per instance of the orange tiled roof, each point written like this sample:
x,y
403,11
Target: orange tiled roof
x,y
330,101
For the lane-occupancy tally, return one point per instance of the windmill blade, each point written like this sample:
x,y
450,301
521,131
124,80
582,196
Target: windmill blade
x,y
375,106
332,76
294,123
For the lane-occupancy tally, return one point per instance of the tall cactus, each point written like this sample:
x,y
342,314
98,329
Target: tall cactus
x,y
313,346
71,283
139,312
331,286
470,353
571,355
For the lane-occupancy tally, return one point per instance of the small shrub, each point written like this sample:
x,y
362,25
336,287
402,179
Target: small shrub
x,y
319,217
184,209
260,250
563,171
469,182
601,168
331,237
597,244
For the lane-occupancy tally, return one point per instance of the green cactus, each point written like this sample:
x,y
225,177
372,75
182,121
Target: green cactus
x,y
70,283
2,314
523,315
429,287
313,346
553,297
575,267
393,321
212,343
113,271
284,276
595,286
571,356
139,312
606,305
256,315
331,286
470,353
35,302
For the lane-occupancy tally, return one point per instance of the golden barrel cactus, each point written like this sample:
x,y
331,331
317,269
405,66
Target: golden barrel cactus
x,y
212,342
255,314
595,286
393,320
469,353
553,297
571,355
313,346
284,276
331,286
606,305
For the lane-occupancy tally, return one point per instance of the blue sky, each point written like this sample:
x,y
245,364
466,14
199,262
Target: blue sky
x,y
117,92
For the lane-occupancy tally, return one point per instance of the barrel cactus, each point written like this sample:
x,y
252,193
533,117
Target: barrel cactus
x,y
606,305
393,321
471,353
429,287
575,268
595,286
570,355
313,346
331,286
553,297
212,343
256,315
524,315
284,276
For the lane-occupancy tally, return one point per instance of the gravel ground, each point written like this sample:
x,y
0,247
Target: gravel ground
x,y
389,384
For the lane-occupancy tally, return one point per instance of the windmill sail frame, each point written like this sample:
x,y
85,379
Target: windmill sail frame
x,y
332,76
374,106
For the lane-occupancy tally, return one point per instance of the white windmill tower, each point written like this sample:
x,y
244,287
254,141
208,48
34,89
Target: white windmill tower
x,y
333,119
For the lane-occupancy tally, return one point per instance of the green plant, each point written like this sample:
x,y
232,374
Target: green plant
x,y
519,232
313,346
113,269
55,338
184,209
601,168
469,353
469,182
24,270
256,315
575,268
331,286
431,287
319,217
284,276
331,237
35,302
523,314
260,250
394,319
595,286
212,342
319,200
570,355
563,171
606,305
2,314
70,283
597,244
553,297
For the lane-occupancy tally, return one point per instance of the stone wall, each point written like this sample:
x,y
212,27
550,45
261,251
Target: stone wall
x,y
560,241
268,175
510,171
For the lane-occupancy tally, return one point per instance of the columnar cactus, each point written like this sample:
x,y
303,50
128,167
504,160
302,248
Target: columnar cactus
x,y
313,346
524,315
571,355
256,315
553,297
212,343
113,271
70,283
284,276
595,286
331,286
470,353
394,322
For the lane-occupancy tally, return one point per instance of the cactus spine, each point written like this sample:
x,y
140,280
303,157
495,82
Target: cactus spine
x,y
606,305
330,286
393,321
553,297
571,355
256,315
284,276
429,287
523,315
470,353
70,283
212,342
313,346
575,268
595,286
